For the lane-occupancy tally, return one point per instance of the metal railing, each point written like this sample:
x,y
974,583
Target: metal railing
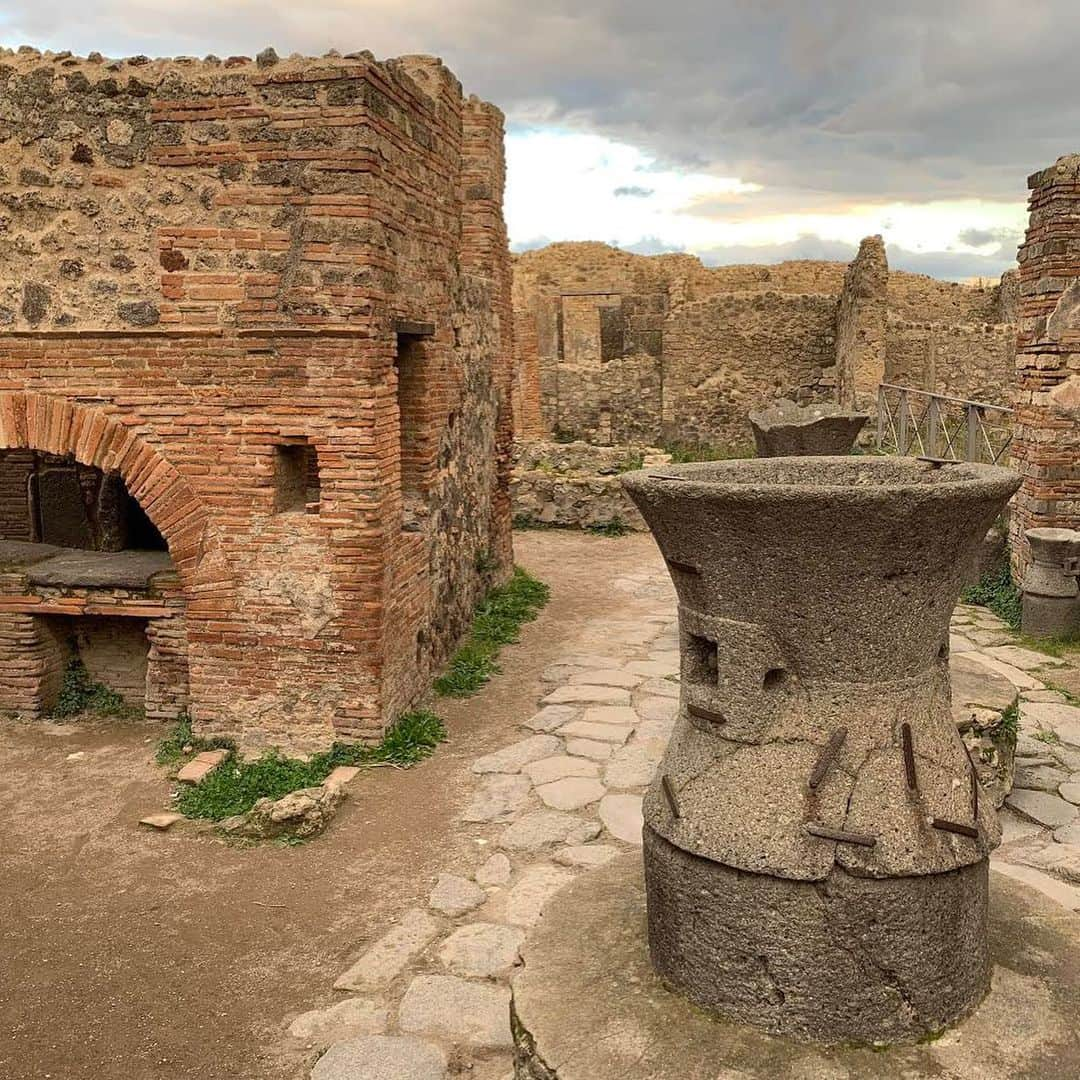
x,y
917,423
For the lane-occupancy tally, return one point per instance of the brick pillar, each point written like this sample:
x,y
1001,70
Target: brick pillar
x,y
167,688
1046,444
33,655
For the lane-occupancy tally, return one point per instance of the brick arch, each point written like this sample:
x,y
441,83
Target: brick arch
x,y
53,425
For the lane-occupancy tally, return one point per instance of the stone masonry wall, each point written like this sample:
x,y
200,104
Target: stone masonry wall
x,y
203,265
1046,447
615,347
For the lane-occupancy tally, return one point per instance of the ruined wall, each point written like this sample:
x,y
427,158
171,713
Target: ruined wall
x,y
974,362
734,352
1046,446
216,261
861,327
614,347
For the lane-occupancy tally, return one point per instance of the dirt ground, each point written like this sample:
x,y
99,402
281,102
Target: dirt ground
x,y
135,955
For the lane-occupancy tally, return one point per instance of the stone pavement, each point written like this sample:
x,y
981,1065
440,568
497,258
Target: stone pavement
x,y
431,995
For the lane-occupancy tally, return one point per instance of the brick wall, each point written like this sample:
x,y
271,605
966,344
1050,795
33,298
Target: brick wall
x,y
250,240
1046,447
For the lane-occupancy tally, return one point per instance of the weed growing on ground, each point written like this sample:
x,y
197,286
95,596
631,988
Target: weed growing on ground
x,y
497,622
615,527
1050,737
634,459
997,591
180,743
81,694
235,786
1010,724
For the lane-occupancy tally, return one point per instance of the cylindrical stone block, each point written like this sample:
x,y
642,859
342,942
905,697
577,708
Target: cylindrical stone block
x,y
814,768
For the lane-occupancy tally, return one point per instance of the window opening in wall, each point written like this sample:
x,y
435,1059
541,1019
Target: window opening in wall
x,y
415,413
297,487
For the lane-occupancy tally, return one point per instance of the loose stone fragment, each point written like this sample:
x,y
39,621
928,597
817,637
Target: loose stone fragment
x,y
454,895
586,854
161,822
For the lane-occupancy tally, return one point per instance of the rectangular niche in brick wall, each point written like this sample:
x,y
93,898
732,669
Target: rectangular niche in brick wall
x,y
297,486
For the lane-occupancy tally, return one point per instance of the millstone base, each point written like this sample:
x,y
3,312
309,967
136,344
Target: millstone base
x,y
589,1006
847,959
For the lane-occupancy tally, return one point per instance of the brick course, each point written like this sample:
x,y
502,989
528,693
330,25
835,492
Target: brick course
x,y
249,242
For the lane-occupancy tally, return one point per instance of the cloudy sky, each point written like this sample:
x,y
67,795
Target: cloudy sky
x,y
740,130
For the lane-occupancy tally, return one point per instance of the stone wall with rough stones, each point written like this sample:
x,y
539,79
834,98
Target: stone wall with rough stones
x,y
212,269
1046,447
615,347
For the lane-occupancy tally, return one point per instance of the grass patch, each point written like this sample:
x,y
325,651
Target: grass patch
x,y
235,786
685,453
81,694
497,622
997,591
1009,724
633,460
1050,737
615,527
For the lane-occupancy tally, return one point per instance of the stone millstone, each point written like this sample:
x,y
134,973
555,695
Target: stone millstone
x,y
785,429
817,837
588,1005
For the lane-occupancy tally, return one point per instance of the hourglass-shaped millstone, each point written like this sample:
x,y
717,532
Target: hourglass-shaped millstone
x,y
815,848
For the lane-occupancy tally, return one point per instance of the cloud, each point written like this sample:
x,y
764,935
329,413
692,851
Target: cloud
x,y
632,191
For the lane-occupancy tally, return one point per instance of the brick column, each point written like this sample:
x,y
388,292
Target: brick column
x,y
33,656
1046,446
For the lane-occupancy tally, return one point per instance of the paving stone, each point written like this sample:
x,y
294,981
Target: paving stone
x,y
1020,679
988,637
556,768
500,797
539,829
1060,859
588,695
511,758
1070,792
162,821
654,732
571,793
1049,810
1068,834
621,815
583,833
381,1057
586,854
1044,695
1049,715
537,884
974,684
447,1007
611,714
658,708
631,766
609,733
664,688
1027,746
482,950
607,677
558,673
345,1020
495,871
591,660
1039,778
1015,827
959,644
670,657
383,961
454,895
651,669
201,765
552,716
1024,659
589,748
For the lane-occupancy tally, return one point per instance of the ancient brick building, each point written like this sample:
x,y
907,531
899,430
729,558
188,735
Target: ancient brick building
x,y
255,344
620,348
1046,447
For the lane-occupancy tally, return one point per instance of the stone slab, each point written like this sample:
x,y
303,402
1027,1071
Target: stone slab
x,y
494,872
551,717
447,1007
454,895
610,714
589,748
540,829
162,821
1049,810
384,960
345,1020
588,1005
571,793
588,695
482,950
627,680
622,817
381,1057
510,759
526,901
609,733
556,768
200,766
101,569
500,797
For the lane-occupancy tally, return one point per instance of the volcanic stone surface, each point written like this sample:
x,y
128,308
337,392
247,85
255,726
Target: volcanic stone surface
x,y
588,1006
785,429
814,742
